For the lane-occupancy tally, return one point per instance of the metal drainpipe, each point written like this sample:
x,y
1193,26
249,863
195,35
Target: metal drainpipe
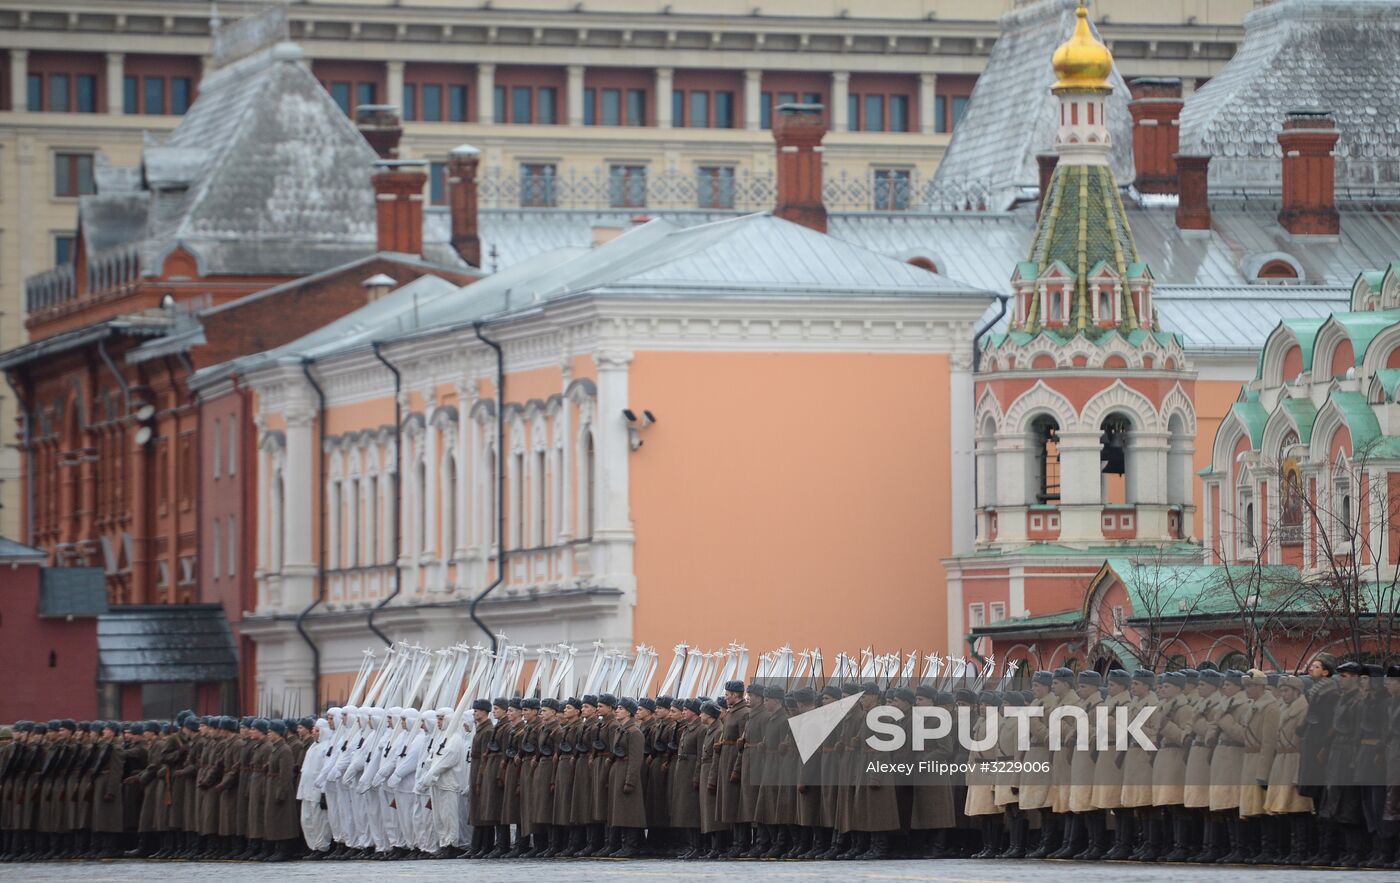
x,y
398,493
320,537
28,424
500,481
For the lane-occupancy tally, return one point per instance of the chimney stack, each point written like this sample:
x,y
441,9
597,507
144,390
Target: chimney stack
x,y
798,130
1156,111
381,127
398,202
1193,204
1309,174
1046,162
461,188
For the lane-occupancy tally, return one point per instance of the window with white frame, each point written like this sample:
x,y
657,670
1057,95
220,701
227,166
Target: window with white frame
x,y
232,536
517,500
232,446
537,486
215,547
335,545
352,528
372,519
421,493
586,480
217,459
449,505
997,611
976,615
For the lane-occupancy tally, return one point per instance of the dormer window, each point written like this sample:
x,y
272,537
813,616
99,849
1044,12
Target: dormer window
x,y
1057,307
1105,305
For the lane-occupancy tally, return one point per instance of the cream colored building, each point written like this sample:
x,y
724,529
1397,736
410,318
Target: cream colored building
x,y
612,91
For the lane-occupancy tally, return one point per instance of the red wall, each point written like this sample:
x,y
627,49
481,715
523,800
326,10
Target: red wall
x,y
33,688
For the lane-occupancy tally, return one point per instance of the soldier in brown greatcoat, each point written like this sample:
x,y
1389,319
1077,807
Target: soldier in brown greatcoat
x,y
107,822
759,838
712,828
480,814
528,844
185,810
581,817
728,769
626,807
541,779
1283,800
874,808
233,819
568,836
803,782
510,778
683,792
1137,812
1227,761
1173,727
1034,793
604,759
218,743
1260,743
254,791
772,811
493,778
931,814
281,821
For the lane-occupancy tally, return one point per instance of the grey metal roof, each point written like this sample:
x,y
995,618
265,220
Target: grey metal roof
x,y
1013,116
12,551
743,256
1335,55
165,643
1238,319
151,323
72,591
264,175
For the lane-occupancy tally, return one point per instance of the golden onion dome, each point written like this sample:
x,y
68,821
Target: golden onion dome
x,y
1082,63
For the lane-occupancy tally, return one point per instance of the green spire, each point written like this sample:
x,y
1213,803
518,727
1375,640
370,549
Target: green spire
x,y
1082,225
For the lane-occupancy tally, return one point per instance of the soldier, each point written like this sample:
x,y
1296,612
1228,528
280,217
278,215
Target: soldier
x,y
314,818
728,767
712,826
1370,766
581,819
1227,762
773,810
758,838
1172,727
1035,786
444,781
1108,767
1013,821
1342,800
281,823
542,780
1137,800
1322,696
1284,800
1260,740
107,821
683,798
482,819
981,804
1196,795
931,814
567,838
627,811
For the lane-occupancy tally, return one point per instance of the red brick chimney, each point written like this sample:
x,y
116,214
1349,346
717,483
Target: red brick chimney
x,y
1156,111
381,127
1309,174
798,130
1193,204
462,164
398,195
1046,162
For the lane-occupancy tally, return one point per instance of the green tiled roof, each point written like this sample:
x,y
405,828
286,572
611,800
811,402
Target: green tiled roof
x,y
1360,419
1083,225
1362,328
1305,330
1254,418
1304,414
1163,589
1389,379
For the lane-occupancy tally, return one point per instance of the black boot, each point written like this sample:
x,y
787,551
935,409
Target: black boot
x,y
1072,833
778,842
1301,836
1020,827
1094,825
840,842
989,839
1122,836
1232,834
1050,831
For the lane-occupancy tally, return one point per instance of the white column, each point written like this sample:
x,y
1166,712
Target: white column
x,y
264,491
964,441
1080,488
928,88
393,84
19,79
432,474
116,72
574,95
485,93
301,493
613,537
956,609
840,104
753,99
663,97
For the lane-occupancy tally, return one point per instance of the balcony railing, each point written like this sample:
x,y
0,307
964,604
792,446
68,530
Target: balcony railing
x,y
734,189
113,272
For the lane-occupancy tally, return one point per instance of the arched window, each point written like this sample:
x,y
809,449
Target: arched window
x,y
334,552
517,499
1105,305
1277,270
492,501
1249,524
1113,454
586,481
540,502
372,519
1234,659
420,477
1057,306
449,505
1291,498
352,529
923,263
1045,435
279,516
